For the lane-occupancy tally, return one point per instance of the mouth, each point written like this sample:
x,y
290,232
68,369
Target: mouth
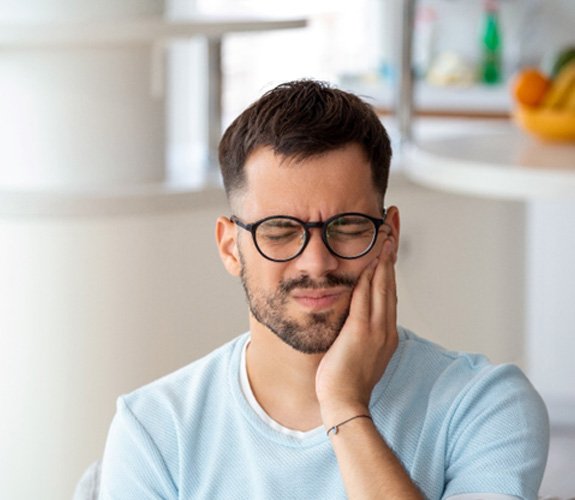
x,y
319,299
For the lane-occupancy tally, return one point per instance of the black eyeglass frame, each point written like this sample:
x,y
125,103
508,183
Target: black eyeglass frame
x,y
252,228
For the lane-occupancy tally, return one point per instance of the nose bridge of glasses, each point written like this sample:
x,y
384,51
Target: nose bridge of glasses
x,y
322,226
315,257
313,225
317,246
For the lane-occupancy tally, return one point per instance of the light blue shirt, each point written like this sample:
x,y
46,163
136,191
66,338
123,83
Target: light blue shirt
x,y
457,423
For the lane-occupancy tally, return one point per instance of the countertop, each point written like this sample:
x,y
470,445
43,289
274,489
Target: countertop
x,y
489,158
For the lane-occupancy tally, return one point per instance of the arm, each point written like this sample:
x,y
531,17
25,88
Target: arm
x,y
500,424
133,467
346,377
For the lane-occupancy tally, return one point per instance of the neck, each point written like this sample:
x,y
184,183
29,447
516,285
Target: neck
x,y
283,379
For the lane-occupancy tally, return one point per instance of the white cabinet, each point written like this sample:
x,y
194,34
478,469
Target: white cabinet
x,y
460,270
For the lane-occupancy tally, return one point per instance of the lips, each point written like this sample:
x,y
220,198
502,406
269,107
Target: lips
x,y
318,299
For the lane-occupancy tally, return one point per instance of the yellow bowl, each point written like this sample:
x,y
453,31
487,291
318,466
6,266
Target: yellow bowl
x,y
545,123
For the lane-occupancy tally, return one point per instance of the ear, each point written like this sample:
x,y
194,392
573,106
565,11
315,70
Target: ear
x,y
226,239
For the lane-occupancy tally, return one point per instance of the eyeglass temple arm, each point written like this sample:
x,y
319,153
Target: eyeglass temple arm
x,y
235,220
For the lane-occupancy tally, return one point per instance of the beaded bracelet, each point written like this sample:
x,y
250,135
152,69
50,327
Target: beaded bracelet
x,y
335,428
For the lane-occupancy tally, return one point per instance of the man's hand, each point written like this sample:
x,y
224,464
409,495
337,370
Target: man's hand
x,y
345,380
357,359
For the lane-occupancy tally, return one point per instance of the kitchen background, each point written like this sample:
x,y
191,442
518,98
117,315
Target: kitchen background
x,y
109,276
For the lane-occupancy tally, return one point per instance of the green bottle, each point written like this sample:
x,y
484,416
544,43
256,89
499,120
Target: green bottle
x,y
491,45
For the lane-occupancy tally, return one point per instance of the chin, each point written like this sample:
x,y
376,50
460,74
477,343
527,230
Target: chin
x,y
314,335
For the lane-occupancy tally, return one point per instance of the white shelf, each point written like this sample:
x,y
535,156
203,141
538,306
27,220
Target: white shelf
x,y
134,31
476,99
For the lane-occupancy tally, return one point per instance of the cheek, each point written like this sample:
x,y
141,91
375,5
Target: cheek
x,y
261,273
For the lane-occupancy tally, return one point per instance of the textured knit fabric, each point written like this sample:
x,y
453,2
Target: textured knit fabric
x,y
457,423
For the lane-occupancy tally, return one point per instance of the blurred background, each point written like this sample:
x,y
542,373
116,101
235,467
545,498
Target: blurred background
x,y
109,191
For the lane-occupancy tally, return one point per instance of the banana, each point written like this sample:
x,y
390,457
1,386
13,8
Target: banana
x,y
562,87
570,101
547,123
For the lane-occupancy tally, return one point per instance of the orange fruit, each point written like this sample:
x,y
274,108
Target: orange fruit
x,y
529,86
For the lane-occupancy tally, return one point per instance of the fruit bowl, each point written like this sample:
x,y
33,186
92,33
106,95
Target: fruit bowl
x,y
546,123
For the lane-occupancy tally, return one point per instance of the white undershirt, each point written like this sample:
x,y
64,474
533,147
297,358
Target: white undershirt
x,y
260,412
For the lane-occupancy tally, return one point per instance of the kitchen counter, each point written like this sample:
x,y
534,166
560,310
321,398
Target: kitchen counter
x,y
493,160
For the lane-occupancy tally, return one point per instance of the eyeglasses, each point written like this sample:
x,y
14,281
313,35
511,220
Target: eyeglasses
x,y
280,238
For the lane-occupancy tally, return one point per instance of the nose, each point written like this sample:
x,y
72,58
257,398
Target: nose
x,y
316,260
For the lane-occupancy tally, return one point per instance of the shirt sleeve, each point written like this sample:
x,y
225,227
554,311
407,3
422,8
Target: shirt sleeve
x,y
133,467
499,437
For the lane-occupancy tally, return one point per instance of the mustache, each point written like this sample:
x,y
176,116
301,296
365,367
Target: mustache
x,y
305,282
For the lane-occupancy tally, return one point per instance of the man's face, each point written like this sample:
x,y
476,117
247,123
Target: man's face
x,y
305,301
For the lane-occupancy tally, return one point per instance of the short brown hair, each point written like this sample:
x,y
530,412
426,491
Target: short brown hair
x,y
301,119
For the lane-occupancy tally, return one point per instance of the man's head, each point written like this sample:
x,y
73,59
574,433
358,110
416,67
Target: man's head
x,y
293,163
301,119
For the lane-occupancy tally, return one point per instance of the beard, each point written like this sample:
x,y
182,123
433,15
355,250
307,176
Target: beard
x,y
315,332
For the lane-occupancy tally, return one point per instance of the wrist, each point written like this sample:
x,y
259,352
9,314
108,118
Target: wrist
x,y
334,413
335,428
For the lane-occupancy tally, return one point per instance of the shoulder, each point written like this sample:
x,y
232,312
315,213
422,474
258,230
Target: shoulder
x,y
455,376
489,416
154,423
173,396
459,388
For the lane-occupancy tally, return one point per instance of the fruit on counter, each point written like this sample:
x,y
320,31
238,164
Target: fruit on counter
x,y
546,123
562,89
545,106
563,58
530,87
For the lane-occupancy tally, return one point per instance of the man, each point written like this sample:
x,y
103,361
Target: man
x,y
325,397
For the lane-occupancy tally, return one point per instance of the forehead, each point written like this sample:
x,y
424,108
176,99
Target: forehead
x,y
316,187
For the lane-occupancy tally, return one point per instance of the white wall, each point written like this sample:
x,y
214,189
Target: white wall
x,y
93,307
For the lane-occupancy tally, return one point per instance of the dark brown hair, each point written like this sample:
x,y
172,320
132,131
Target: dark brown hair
x,y
302,119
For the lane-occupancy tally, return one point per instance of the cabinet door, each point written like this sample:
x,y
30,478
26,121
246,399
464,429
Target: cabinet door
x,y
461,264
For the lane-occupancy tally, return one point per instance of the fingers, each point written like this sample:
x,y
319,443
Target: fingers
x,y
384,291
360,306
374,299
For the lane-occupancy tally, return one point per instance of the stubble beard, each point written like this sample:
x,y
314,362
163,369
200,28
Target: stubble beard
x,y
316,332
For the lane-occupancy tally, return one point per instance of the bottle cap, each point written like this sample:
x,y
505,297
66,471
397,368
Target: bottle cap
x,y
491,5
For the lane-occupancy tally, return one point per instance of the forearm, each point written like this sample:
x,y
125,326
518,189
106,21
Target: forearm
x,y
369,468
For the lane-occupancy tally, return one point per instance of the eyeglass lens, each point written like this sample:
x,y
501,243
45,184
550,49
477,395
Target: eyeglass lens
x,y
347,236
